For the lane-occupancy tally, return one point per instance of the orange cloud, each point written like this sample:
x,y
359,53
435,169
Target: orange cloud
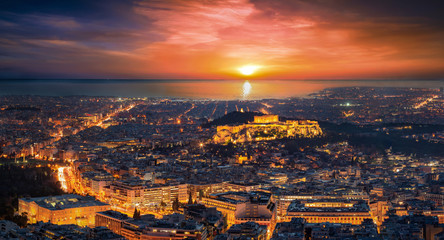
x,y
212,39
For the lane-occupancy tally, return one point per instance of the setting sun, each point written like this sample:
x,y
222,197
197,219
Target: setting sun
x,y
248,70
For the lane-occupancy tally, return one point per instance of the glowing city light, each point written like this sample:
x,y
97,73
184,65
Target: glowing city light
x,y
62,180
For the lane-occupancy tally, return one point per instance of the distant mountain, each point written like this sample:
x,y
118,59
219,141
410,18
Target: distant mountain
x,y
233,118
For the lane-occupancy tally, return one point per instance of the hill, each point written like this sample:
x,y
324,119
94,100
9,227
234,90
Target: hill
x,y
233,118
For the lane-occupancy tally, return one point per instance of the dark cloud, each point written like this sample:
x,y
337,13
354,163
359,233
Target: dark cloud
x,y
346,10
118,12
101,23
57,36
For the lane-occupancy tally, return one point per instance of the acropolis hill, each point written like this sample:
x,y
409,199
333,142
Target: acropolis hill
x,y
265,128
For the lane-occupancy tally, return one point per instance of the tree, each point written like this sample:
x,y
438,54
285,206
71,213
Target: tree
x,y
176,204
136,214
20,220
163,205
225,223
190,198
17,182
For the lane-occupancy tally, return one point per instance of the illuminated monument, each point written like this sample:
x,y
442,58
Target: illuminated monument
x,y
265,128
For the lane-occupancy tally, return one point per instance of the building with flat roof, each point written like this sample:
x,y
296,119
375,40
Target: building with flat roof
x,y
241,207
284,200
151,228
298,229
128,193
330,210
247,230
212,219
63,209
112,220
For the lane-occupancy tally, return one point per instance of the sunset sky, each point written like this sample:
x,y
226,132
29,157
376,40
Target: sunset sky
x,y
213,39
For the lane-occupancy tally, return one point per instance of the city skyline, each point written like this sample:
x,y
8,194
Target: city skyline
x,y
222,119
346,162
222,39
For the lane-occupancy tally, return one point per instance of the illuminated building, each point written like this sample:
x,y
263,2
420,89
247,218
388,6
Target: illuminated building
x,y
266,119
207,189
241,187
112,220
420,207
283,201
247,230
99,182
150,228
196,190
119,142
157,195
243,159
293,230
63,209
267,127
212,218
134,193
437,198
94,182
299,229
410,227
241,207
330,210
379,209
130,192
52,231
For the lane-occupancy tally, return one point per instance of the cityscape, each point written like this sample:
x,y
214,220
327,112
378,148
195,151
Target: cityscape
x,y
368,162
222,120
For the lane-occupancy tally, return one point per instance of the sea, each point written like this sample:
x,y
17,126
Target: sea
x,y
194,89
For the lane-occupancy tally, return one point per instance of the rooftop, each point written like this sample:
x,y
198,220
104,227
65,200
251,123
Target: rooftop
x,y
65,201
328,205
239,197
114,214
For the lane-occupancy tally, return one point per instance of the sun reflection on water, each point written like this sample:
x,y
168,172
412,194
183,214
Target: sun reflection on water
x,y
246,89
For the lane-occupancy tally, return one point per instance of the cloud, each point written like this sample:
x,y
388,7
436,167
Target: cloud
x,y
211,39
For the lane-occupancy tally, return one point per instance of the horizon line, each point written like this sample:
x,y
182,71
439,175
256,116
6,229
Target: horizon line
x,y
203,79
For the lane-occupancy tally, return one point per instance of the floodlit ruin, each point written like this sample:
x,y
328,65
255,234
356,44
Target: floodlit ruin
x,y
265,128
